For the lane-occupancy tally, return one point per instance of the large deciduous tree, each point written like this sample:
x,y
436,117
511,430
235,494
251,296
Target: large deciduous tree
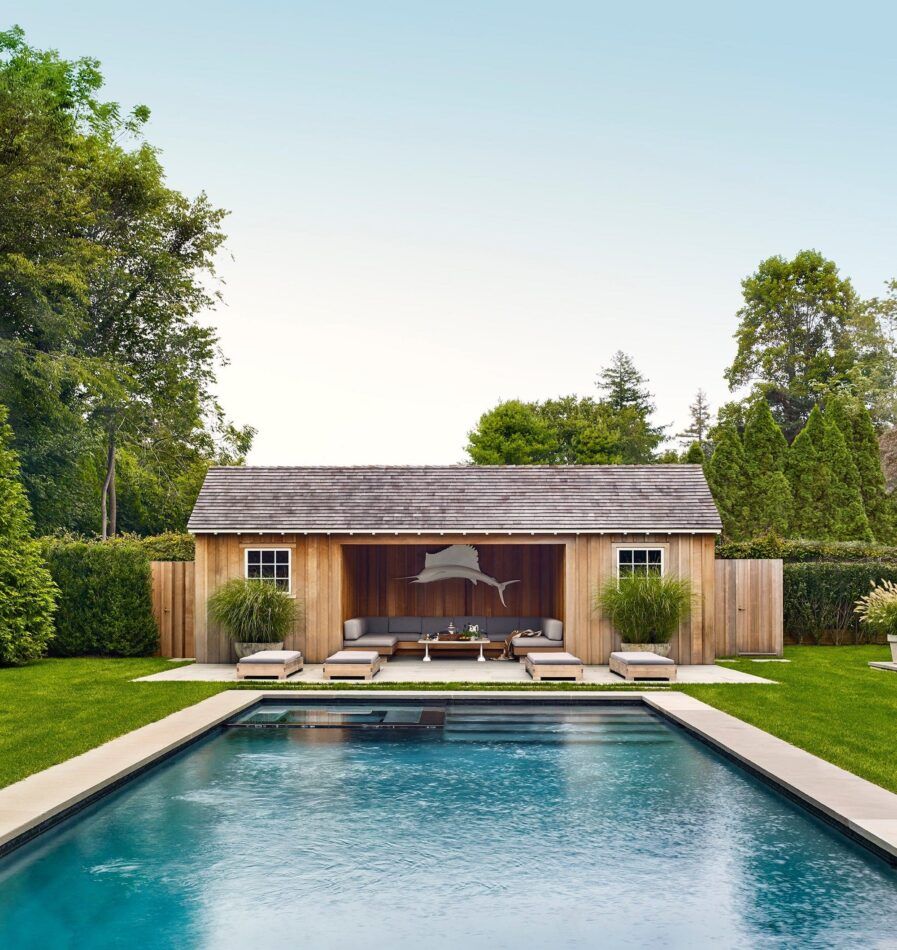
x,y
804,332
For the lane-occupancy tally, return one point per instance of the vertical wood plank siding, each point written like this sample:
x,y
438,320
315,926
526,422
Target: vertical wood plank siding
x,y
174,599
331,579
749,596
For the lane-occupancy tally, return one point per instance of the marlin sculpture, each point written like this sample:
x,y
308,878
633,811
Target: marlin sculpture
x,y
459,560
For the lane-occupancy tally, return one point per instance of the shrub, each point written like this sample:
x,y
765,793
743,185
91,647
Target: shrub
x,y
820,599
172,546
878,609
105,600
253,611
645,609
27,594
771,546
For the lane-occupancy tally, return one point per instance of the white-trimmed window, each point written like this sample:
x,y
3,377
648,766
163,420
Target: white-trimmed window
x,y
639,561
269,564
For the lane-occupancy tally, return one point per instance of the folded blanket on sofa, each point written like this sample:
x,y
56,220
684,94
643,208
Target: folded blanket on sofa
x,y
508,652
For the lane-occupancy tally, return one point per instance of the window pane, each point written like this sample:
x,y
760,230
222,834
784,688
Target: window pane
x,y
282,584
267,557
282,570
253,571
253,557
268,571
639,557
624,556
282,557
625,570
654,556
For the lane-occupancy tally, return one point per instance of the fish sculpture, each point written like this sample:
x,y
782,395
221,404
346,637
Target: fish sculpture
x,y
459,560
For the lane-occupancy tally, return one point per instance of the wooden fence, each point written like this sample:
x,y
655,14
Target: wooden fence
x,y
748,607
173,606
749,604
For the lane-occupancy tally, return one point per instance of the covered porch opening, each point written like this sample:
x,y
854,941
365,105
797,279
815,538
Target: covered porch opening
x,y
376,583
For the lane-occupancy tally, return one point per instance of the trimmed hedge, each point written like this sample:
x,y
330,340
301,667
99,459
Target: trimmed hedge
x,y
163,547
105,598
803,551
820,598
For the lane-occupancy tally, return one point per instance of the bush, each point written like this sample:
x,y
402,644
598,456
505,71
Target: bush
x,y
105,599
878,609
253,611
645,609
794,551
172,546
819,599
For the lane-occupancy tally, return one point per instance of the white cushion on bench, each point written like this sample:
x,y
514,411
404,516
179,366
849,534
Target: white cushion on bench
x,y
553,659
353,656
643,659
272,656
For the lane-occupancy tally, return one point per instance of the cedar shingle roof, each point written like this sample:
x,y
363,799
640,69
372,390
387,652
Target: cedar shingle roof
x,y
524,498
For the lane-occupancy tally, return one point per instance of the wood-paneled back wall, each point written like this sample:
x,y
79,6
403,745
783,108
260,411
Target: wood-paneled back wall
x,y
375,583
329,591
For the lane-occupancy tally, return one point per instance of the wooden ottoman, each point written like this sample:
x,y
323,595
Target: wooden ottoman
x,y
277,663
643,666
553,666
352,664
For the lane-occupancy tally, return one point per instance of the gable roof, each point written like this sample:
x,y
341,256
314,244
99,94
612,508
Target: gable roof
x,y
411,499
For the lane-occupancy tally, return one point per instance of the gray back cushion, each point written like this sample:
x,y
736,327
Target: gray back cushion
x,y
354,628
378,624
502,626
437,624
481,622
553,629
530,623
404,624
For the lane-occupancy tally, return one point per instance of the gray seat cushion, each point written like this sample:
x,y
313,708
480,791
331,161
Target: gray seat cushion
x,y
374,640
272,656
554,659
405,625
643,659
353,656
534,642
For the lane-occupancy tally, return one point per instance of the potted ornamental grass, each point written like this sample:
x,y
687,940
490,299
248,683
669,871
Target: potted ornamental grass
x,y
255,614
646,610
878,611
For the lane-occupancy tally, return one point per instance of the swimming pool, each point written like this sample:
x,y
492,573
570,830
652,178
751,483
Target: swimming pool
x,y
455,825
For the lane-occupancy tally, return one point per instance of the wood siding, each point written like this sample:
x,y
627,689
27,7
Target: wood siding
x,y
749,607
321,580
174,600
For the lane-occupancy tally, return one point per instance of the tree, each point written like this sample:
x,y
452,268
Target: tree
x,y
847,515
103,271
726,477
695,455
767,494
513,433
701,420
27,592
803,331
627,396
811,481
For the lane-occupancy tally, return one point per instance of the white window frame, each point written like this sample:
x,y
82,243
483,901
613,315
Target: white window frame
x,y
640,547
271,547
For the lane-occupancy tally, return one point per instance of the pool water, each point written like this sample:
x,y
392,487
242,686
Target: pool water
x,y
496,827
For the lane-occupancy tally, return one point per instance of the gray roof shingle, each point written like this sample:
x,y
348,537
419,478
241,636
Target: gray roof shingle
x,y
507,498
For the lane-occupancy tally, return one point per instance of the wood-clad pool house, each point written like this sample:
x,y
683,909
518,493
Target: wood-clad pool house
x,y
352,545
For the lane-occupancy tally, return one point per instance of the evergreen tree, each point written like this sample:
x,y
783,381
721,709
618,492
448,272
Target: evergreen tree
x,y
847,515
855,423
27,592
727,479
695,455
811,481
768,502
701,420
624,387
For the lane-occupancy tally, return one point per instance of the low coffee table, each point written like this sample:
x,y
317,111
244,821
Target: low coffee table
x,y
445,644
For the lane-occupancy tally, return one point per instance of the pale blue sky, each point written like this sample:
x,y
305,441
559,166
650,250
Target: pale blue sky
x,y
436,205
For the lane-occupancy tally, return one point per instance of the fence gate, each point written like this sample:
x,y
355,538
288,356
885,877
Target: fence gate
x,y
749,607
173,606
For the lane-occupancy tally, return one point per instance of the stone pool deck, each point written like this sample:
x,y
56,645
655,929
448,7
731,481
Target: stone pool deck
x,y
411,670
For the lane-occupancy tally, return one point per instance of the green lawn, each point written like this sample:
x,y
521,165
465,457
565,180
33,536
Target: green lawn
x,y
828,702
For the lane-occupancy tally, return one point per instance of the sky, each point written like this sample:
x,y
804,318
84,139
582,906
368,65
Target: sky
x,y
437,205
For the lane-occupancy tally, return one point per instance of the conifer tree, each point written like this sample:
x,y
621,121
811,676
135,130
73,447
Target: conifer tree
x,y
26,589
726,477
847,516
811,481
768,503
695,454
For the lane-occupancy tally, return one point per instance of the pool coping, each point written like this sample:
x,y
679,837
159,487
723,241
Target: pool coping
x,y
864,811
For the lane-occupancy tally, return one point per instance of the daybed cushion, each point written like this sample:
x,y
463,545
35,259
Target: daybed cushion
x,y
353,656
554,659
430,625
355,628
374,640
553,629
534,642
643,659
501,627
272,656
405,625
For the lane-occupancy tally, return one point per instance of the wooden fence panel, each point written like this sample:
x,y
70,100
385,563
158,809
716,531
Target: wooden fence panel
x,y
173,606
749,606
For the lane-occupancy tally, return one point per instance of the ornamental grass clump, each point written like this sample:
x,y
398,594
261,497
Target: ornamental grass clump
x,y
878,609
253,611
645,609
